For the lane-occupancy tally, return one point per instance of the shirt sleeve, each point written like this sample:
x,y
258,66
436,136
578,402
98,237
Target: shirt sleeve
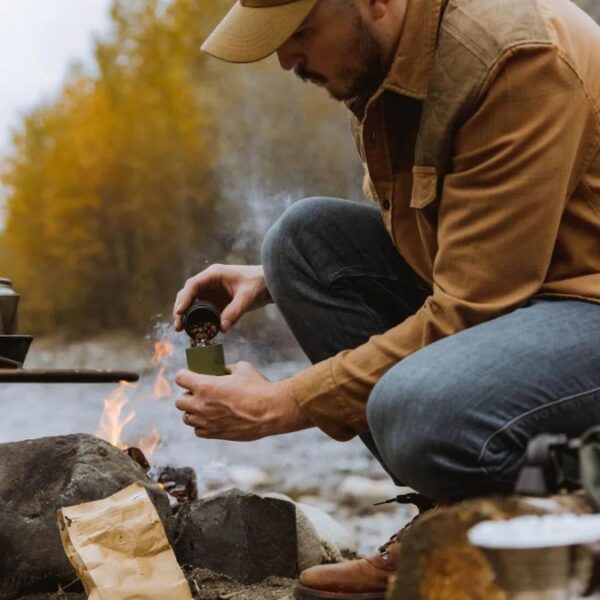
x,y
516,161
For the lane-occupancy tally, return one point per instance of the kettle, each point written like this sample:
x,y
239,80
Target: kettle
x,y
9,302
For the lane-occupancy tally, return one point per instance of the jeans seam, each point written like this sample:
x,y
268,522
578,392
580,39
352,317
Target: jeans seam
x,y
353,273
376,281
525,414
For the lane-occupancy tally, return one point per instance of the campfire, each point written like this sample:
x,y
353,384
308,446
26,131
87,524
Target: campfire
x,y
117,415
179,482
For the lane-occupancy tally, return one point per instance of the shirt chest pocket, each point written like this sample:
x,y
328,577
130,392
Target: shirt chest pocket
x,y
424,203
424,187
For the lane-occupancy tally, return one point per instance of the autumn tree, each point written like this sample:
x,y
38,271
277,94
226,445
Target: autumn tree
x,y
153,163
112,185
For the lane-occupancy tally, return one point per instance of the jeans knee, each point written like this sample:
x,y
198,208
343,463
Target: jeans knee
x,y
420,442
282,247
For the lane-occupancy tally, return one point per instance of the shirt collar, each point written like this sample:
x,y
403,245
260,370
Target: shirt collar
x,y
409,73
415,55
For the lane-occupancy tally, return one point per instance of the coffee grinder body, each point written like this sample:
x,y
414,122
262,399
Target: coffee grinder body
x,y
202,322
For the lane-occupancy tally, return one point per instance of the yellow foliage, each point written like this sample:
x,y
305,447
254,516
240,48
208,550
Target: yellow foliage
x,y
155,162
112,184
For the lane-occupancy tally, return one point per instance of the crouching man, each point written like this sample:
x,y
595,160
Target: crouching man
x,y
458,315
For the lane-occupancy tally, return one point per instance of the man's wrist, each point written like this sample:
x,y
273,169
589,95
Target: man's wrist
x,y
288,415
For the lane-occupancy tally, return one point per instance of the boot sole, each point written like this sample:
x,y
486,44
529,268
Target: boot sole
x,y
303,593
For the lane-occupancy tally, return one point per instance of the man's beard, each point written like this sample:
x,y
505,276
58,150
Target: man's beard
x,y
364,74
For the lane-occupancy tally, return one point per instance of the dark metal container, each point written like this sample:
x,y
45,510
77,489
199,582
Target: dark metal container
x,y
208,359
9,303
201,312
13,350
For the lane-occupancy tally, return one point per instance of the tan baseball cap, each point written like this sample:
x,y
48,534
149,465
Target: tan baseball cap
x,y
254,29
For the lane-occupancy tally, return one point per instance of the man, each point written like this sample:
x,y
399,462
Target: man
x,y
459,316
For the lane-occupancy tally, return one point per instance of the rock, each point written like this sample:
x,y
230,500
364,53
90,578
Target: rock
x,y
37,477
321,539
247,477
243,536
436,559
336,542
363,491
310,550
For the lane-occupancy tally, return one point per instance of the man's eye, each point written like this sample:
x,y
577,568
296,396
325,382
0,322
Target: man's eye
x,y
300,33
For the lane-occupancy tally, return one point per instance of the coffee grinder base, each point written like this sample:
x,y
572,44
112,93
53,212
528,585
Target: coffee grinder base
x,y
207,360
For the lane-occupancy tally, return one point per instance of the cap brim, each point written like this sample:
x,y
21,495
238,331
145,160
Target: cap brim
x,y
247,34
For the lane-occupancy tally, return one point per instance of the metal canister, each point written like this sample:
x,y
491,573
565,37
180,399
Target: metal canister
x,y
9,303
201,312
208,359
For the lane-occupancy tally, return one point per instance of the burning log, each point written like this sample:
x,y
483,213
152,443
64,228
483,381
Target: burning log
x,y
179,482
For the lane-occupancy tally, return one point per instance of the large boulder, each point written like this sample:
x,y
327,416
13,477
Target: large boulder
x,y
37,477
243,536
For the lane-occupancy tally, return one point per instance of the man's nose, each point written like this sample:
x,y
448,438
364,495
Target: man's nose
x,y
289,56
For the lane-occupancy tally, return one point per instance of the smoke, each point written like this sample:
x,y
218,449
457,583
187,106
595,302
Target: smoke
x,y
278,141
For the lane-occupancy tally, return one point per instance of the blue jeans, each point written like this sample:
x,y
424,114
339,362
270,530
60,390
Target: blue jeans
x,y
452,420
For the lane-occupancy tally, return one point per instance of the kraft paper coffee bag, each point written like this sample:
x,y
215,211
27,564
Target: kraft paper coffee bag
x,y
120,550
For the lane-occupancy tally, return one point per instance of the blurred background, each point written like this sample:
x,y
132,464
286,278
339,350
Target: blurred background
x,y
130,160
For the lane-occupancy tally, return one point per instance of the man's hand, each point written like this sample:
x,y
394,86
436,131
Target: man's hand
x,y
235,289
242,406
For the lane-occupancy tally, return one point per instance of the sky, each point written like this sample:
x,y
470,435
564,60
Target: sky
x,y
38,41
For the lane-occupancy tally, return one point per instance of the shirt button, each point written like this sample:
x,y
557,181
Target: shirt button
x,y
385,205
373,136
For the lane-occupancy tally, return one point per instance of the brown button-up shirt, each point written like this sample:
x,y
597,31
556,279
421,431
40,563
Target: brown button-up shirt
x,y
515,214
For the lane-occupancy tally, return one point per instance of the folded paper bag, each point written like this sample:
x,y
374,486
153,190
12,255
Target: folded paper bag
x,y
120,550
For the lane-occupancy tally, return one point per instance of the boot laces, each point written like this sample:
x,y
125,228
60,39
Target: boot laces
x,y
384,548
423,504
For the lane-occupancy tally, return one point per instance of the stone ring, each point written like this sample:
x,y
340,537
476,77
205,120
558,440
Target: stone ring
x,y
186,418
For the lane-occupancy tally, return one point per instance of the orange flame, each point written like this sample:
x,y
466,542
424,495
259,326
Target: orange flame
x,y
112,422
162,351
114,419
148,443
162,387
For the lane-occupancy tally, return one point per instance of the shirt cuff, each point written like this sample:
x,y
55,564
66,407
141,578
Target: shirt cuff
x,y
314,390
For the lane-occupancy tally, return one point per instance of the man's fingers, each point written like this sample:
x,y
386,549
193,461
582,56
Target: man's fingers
x,y
193,287
186,403
204,433
234,310
183,300
190,380
194,420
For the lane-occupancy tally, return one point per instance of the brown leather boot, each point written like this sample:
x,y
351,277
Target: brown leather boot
x,y
362,579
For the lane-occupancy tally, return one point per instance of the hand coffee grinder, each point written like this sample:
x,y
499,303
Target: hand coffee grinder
x,y
202,322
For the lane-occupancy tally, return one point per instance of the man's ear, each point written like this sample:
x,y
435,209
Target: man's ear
x,y
378,8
